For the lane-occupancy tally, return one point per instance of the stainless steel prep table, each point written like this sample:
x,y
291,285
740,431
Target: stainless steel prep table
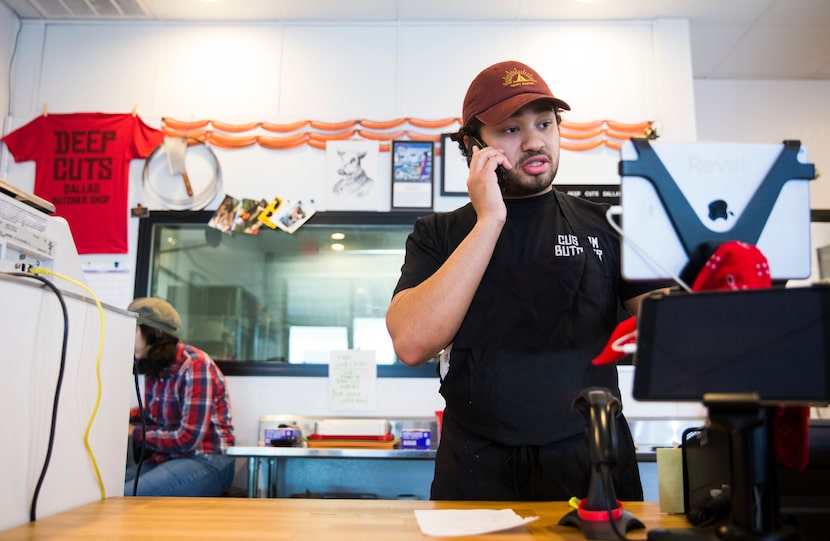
x,y
271,457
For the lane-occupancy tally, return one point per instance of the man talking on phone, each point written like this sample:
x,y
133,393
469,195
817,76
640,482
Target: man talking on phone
x,y
518,291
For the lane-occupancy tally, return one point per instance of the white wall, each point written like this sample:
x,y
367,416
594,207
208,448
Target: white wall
x,y
281,73
626,72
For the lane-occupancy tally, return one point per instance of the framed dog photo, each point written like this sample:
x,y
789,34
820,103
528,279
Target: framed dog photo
x,y
454,168
412,174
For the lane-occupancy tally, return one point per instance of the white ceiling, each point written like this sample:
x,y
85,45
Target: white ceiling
x,y
731,39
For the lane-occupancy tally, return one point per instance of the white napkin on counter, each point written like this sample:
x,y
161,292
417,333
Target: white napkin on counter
x,y
454,522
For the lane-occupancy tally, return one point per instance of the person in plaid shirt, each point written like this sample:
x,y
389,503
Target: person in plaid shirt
x,y
187,412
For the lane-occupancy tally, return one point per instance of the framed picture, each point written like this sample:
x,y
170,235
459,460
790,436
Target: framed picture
x,y
351,173
412,174
454,168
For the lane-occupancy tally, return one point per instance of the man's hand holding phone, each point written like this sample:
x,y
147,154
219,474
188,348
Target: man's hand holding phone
x,y
501,170
486,196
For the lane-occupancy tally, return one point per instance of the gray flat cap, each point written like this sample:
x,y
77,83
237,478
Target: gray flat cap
x,y
156,313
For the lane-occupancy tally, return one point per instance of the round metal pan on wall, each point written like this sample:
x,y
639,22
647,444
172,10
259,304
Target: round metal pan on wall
x,y
169,190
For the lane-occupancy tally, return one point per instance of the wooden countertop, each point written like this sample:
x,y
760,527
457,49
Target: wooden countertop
x,y
291,519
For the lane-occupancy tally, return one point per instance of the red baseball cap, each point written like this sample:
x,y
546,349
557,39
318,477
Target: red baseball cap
x,y
502,89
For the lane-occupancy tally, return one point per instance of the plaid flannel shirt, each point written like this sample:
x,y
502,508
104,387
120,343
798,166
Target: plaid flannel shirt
x,y
187,408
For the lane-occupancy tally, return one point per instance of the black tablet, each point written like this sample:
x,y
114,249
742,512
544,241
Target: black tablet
x,y
771,343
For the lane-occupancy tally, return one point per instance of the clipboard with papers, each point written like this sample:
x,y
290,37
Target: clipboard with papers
x,y
680,201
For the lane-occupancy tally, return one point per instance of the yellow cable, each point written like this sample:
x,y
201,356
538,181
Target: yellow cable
x,y
41,270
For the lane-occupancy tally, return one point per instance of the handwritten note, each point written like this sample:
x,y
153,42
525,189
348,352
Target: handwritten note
x,y
352,380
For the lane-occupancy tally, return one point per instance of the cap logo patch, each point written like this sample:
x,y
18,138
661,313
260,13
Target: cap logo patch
x,y
518,77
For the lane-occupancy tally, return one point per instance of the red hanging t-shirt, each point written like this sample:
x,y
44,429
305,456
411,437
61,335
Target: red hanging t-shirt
x,y
82,165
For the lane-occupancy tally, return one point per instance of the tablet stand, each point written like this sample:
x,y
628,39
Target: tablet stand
x,y
743,415
755,511
747,420
745,412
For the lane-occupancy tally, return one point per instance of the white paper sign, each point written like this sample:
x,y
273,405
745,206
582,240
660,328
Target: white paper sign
x,y
112,285
352,380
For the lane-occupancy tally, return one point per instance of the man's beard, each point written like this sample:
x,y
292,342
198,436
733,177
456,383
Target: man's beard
x,y
520,184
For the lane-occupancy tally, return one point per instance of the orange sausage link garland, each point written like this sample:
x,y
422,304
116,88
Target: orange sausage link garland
x,y
575,136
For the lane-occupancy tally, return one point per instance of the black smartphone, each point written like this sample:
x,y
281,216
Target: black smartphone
x,y
501,172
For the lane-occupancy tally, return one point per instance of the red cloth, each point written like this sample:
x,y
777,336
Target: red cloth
x,y
82,163
736,266
625,333
791,425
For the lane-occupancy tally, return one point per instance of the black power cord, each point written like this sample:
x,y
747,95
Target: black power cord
x,y
143,449
53,424
711,509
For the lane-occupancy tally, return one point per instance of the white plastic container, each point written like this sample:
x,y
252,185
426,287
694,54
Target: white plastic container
x,y
352,427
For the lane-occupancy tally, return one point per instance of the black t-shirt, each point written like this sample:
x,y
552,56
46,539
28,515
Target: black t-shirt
x,y
545,307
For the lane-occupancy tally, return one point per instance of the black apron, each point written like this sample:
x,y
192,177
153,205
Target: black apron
x,y
521,357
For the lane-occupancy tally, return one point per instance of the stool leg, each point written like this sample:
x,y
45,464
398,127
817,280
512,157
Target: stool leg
x,y
253,467
271,477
